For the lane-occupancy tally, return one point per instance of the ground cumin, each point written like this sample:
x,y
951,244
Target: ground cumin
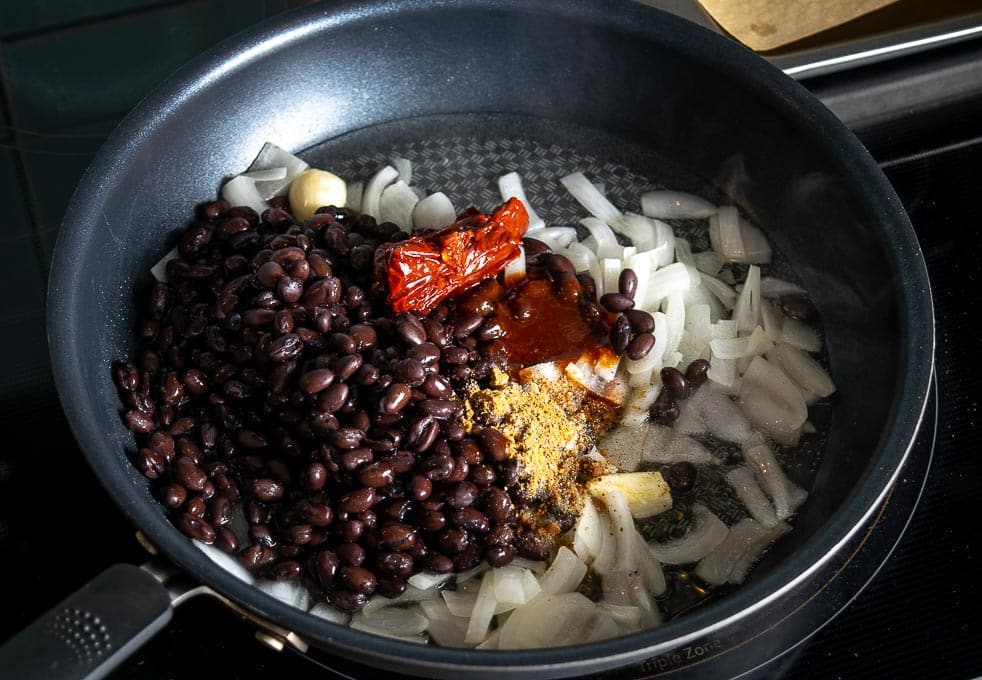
x,y
547,430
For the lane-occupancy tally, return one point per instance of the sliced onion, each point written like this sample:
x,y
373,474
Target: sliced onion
x,y
786,495
401,622
582,258
373,190
481,615
511,185
603,236
746,311
607,555
622,446
159,270
674,307
329,613
698,332
723,373
772,319
770,399
802,369
639,229
772,287
724,233
515,268
801,335
587,536
589,197
270,157
405,169
434,212
610,272
424,580
556,238
445,628
675,205
225,561
756,248
268,175
396,205
744,483
722,417
664,236
707,262
550,621
355,192
564,574
665,281
730,561
409,595
665,445
289,592
707,532
726,295
241,190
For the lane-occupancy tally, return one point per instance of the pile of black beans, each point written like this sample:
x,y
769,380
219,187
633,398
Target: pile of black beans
x,y
268,375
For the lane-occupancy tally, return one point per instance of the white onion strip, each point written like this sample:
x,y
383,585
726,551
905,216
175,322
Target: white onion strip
x,y
373,190
707,532
510,185
744,484
589,197
675,205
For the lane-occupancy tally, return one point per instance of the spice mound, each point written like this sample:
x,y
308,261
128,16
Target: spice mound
x,y
546,432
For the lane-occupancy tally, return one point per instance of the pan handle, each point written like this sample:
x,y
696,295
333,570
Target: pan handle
x,y
93,630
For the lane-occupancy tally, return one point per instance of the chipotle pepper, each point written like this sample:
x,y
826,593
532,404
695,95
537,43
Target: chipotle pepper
x,y
422,271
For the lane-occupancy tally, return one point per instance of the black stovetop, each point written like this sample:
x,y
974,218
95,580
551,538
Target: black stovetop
x,y
917,617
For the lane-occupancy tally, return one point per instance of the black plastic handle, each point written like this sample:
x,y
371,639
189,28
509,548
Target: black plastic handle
x,y
92,631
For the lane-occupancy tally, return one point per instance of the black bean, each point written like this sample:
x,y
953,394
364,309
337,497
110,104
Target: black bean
x,y
695,372
285,347
798,307
315,477
620,334
396,398
437,468
461,495
640,320
397,536
440,564
640,345
497,504
358,500
151,463
346,437
420,487
558,264
664,411
267,490
441,409
499,555
616,302
333,398
472,520
326,565
318,514
466,324
409,371
675,383
627,283
681,477
396,563
197,528
316,381
174,495
188,474
138,422
346,600
495,443
377,475
351,553
432,520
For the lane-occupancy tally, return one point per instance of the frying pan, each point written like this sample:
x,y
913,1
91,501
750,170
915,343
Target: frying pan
x,y
620,87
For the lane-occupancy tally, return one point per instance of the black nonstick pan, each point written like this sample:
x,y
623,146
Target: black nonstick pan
x,y
618,89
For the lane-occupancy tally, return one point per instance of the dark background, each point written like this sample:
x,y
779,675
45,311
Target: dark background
x,y
70,69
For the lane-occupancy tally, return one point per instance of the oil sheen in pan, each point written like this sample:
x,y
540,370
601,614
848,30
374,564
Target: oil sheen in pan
x,y
463,155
